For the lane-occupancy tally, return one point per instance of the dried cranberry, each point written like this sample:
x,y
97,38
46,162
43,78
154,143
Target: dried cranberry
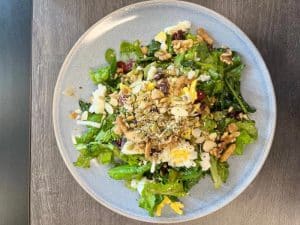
x,y
122,65
179,35
126,67
118,142
163,86
200,95
234,114
202,106
158,76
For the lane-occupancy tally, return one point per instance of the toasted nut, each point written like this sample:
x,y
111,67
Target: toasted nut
x,y
226,57
227,153
156,94
147,150
203,34
73,115
162,55
212,136
133,136
235,134
215,152
181,46
232,128
209,145
144,50
120,126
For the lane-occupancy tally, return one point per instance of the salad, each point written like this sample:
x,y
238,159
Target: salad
x,y
165,115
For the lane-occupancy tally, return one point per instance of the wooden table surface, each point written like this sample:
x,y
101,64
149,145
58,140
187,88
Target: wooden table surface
x,y
273,197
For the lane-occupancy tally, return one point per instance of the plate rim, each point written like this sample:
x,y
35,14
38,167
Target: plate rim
x,y
249,179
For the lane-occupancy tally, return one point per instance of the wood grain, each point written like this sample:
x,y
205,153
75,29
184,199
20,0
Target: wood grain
x,y
273,198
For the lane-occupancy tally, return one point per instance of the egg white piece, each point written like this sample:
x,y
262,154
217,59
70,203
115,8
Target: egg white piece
x,y
129,148
183,155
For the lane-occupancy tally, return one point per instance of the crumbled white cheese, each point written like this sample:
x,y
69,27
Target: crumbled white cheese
x,y
163,46
196,132
108,108
89,123
209,145
205,161
151,72
191,74
183,25
213,136
139,68
204,77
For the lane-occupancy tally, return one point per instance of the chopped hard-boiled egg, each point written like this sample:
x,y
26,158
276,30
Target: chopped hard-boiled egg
x,y
183,25
129,148
175,206
190,92
161,37
183,154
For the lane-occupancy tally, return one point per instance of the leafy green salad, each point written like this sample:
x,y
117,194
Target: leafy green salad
x,y
165,115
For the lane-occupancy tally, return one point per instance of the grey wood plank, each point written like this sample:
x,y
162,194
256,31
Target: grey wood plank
x,y
273,198
15,70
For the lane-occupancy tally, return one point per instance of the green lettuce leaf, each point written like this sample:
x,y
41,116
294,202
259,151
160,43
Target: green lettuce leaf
x,y
248,134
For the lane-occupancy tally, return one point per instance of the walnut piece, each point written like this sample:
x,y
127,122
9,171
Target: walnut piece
x,y
227,153
226,57
162,55
181,46
202,34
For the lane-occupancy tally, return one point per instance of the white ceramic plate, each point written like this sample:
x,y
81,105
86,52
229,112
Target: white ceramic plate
x,y
142,21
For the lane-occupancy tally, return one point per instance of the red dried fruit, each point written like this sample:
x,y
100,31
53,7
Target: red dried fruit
x,y
126,67
179,35
200,95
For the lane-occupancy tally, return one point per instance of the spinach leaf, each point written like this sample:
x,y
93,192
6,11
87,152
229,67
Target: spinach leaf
x,y
153,47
